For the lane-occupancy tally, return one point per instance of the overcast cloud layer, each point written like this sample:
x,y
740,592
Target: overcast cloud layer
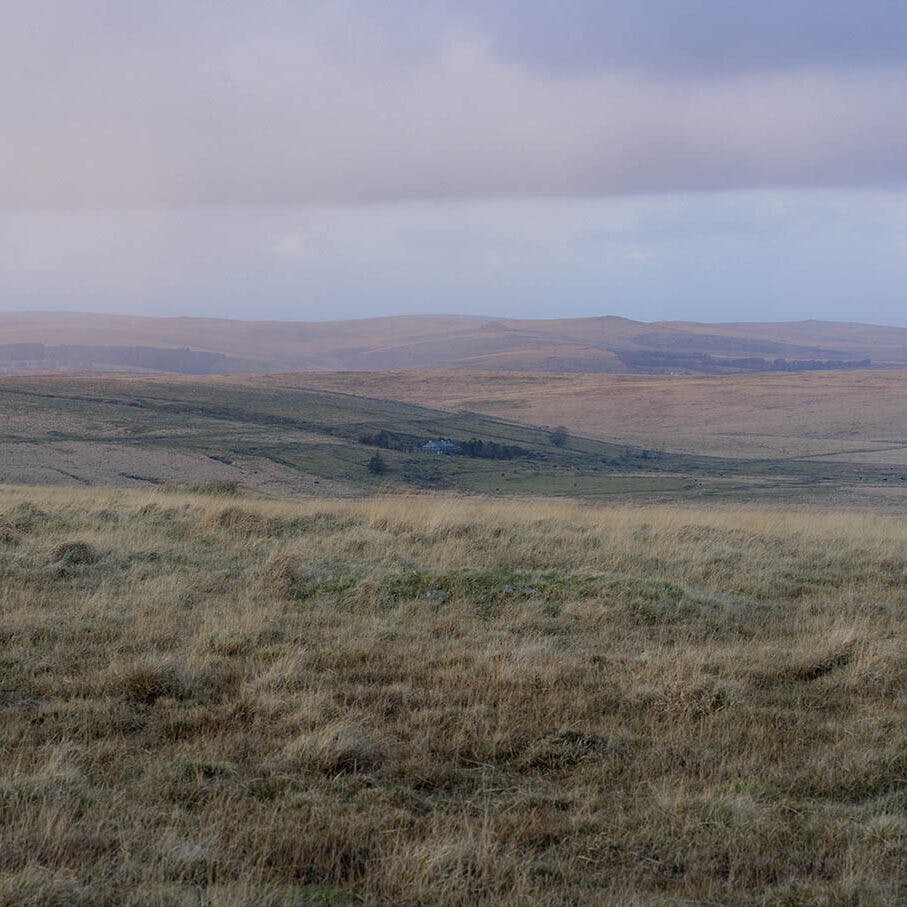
x,y
183,102
306,159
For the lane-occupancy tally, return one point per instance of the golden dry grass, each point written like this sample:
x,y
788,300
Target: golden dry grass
x,y
447,701
850,415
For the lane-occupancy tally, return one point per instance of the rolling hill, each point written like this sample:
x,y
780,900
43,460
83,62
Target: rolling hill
x,y
277,439
853,416
78,341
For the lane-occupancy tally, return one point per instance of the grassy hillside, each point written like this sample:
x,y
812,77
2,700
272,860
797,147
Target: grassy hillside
x,y
139,431
441,701
45,341
852,416
278,439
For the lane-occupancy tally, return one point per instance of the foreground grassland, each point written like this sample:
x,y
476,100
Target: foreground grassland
x,y
440,701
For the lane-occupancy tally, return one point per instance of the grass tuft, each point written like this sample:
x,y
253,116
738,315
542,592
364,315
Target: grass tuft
x,y
341,746
147,680
240,520
75,554
9,535
27,517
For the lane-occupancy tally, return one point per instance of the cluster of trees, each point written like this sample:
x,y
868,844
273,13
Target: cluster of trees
x,y
631,456
705,362
474,447
491,450
388,440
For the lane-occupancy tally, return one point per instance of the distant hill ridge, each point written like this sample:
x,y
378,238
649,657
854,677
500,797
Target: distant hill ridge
x,y
48,341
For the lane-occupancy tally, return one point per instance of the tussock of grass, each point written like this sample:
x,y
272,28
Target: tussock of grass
x,y
75,554
816,667
240,520
260,703
342,746
147,680
26,516
9,535
223,489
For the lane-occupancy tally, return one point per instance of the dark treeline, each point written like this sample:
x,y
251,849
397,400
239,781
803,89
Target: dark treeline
x,y
705,362
491,450
389,440
474,447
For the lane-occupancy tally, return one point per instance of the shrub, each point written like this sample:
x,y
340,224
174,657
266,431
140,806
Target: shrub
x,y
559,436
376,465
491,450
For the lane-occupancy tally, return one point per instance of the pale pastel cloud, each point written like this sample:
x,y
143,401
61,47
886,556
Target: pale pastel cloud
x,y
332,158
166,104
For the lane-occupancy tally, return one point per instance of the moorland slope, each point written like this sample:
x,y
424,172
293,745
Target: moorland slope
x,y
853,416
271,437
41,341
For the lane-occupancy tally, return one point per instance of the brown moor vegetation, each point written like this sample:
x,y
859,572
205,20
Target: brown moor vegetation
x,y
425,700
853,416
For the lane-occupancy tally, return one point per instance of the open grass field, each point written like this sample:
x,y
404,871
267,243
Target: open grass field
x,y
273,436
848,416
431,700
153,431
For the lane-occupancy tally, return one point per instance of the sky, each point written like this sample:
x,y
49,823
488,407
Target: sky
x,y
658,159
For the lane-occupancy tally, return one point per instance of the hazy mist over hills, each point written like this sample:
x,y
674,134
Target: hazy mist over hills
x,y
52,341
